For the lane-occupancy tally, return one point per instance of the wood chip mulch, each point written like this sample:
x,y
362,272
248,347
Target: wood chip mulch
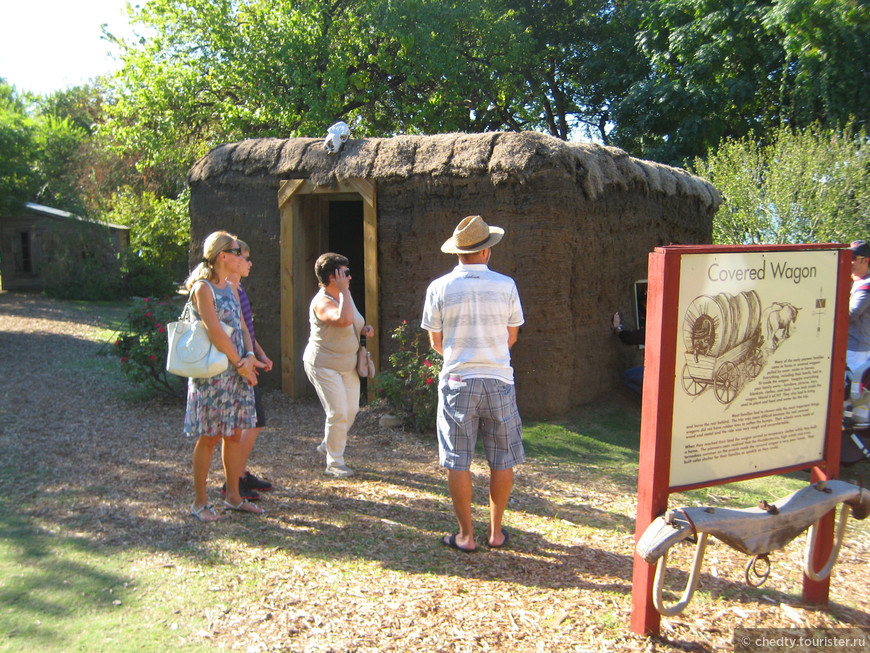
x,y
355,564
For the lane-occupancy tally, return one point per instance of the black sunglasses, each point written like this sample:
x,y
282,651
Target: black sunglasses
x,y
235,250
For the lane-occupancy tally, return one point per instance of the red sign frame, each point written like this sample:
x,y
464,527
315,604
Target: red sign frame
x,y
658,405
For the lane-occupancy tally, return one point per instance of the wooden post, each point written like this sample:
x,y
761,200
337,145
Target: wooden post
x,y
655,440
816,592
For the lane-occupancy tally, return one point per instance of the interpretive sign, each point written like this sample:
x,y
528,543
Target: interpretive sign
x,y
744,366
753,362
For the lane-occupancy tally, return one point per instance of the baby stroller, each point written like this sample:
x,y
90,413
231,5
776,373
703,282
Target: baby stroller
x,y
856,416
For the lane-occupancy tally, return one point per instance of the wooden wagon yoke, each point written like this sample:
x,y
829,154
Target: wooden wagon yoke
x,y
754,531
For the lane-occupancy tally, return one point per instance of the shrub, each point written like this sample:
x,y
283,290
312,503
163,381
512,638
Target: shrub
x,y
810,185
410,389
144,278
142,345
83,265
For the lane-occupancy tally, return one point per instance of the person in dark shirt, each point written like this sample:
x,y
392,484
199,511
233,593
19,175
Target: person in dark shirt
x,y
633,376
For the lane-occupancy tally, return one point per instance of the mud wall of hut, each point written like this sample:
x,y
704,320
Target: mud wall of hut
x,y
574,260
247,206
574,254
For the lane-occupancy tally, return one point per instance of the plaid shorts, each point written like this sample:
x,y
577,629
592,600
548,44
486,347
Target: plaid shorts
x,y
478,405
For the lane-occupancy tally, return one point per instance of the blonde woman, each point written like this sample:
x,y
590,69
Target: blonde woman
x,y
220,407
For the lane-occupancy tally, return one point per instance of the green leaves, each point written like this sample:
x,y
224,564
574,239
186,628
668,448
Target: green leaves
x,y
141,346
160,228
18,151
721,69
804,186
410,388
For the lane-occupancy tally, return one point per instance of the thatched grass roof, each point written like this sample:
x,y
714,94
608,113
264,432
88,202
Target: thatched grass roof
x,y
503,156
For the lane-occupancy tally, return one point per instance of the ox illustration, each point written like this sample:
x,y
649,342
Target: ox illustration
x,y
778,318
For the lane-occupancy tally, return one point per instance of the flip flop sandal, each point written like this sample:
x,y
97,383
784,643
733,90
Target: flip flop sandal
x,y
197,512
507,537
244,506
450,541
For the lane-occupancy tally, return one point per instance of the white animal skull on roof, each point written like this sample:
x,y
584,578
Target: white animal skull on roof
x,y
336,136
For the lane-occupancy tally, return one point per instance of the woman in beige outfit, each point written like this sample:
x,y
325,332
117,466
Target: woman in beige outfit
x,y
331,354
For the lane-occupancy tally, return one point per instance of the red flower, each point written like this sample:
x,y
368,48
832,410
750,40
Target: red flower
x,y
427,363
430,381
123,359
153,357
117,343
148,314
146,300
161,328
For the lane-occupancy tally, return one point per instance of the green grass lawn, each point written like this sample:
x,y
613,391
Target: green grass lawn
x,y
607,438
59,593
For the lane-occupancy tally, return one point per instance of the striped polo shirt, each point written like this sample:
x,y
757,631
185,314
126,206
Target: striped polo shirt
x,y
472,307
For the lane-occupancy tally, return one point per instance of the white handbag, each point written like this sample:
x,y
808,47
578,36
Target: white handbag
x,y
191,352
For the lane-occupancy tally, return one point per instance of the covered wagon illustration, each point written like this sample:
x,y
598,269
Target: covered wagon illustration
x,y
722,336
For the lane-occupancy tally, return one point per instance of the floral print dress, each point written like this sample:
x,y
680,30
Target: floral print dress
x,y
222,403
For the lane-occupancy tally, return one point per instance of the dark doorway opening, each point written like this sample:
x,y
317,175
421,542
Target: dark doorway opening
x,y
340,218
346,238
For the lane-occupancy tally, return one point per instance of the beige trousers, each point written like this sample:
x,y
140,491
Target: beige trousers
x,y
339,395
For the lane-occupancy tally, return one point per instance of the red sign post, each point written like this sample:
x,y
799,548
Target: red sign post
x,y
722,333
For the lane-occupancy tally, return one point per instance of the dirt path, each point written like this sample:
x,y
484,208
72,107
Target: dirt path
x,y
354,565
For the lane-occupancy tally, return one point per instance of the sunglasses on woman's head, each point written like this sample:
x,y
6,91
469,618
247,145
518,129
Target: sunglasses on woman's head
x,y
235,250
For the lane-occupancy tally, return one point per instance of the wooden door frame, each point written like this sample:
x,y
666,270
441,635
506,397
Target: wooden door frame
x,y
297,274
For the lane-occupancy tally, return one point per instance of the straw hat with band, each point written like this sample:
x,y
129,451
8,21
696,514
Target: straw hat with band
x,y
472,235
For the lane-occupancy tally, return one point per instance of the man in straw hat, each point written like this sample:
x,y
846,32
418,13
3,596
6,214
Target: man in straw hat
x,y
473,316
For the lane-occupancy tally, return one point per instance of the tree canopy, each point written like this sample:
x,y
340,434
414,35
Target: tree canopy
x,y
803,186
38,153
721,69
206,71
18,180
668,80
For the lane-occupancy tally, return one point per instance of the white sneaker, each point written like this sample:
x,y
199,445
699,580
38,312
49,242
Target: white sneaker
x,y
338,471
321,449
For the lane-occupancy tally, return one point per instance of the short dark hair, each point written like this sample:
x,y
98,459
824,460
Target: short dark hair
x,y
326,265
860,248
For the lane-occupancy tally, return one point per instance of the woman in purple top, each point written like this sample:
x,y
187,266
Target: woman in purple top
x,y
250,485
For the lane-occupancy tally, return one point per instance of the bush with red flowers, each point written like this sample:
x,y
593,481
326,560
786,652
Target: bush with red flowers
x,y
410,389
141,345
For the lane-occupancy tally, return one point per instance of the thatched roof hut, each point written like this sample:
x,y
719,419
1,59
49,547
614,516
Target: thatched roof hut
x,y
580,220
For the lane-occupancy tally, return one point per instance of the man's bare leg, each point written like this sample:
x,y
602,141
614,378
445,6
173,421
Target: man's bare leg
x,y
501,482
459,485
